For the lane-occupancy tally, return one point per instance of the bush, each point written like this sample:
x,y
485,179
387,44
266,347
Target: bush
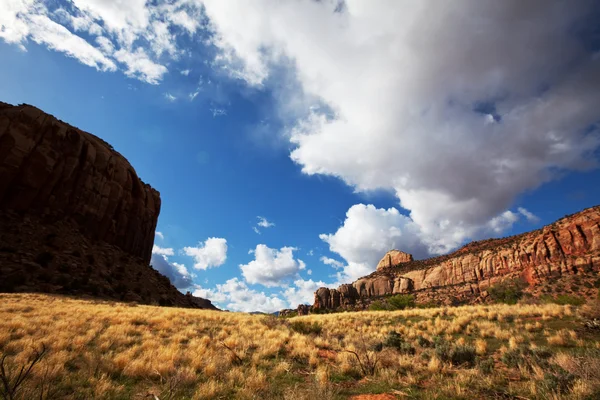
x,y
463,354
306,328
513,358
457,354
486,366
566,299
401,301
507,292
396,341
377,305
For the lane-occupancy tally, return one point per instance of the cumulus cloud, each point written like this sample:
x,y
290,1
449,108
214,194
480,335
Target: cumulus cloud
x,y
177,273
456,114
302,293
366,234
272,267
235,295
159,235
162,251
211,253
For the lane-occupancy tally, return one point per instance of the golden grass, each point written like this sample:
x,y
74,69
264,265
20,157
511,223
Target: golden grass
x,y
106,350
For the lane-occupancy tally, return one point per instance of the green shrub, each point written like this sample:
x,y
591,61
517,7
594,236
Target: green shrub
x,y
486,366
395,340
566,299
513,358
423,342
306,328
507,292
377,305
401,301
463,355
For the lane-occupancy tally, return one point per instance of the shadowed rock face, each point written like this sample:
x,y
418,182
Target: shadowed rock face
x,y
52,169
566,247
74,216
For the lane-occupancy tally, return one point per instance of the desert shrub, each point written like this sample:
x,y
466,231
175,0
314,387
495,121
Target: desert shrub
x,y
513,358
377,305
306,328
486,366
396,341
401,301
507,292
557,381
423,342
393,339
44,258
463,355
566,299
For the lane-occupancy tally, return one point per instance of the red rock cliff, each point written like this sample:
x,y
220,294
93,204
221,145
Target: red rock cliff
x,y
52,169
568,246
74,216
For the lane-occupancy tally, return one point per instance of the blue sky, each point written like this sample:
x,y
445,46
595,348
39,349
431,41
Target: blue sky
x,y
293,143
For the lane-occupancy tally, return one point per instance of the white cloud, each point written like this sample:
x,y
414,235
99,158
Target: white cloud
x,y
236,296
531,217
211,253
162,251
302,293
309,272
330,261
170,97
185,72
160,235
272,267
139,65
408,105
177,273
136,33
365,236
264,223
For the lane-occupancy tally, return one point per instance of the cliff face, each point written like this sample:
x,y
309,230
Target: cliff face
x,y
73,207
52,169
567,247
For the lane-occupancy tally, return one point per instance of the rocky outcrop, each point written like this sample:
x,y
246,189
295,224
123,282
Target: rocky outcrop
x,y
394,258
570,246
75,217
54,170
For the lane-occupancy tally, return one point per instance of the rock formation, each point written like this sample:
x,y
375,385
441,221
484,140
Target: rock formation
x,y
570,246
393,258
69,202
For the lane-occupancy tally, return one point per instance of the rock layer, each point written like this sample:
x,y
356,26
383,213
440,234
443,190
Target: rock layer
x,y
74,216
568,246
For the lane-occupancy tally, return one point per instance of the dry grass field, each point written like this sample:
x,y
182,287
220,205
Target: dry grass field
x,y
105,350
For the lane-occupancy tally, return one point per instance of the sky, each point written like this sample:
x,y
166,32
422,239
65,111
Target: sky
x,y
295,142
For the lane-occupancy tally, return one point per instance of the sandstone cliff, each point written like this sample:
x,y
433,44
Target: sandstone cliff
x,y
70,202
570,246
